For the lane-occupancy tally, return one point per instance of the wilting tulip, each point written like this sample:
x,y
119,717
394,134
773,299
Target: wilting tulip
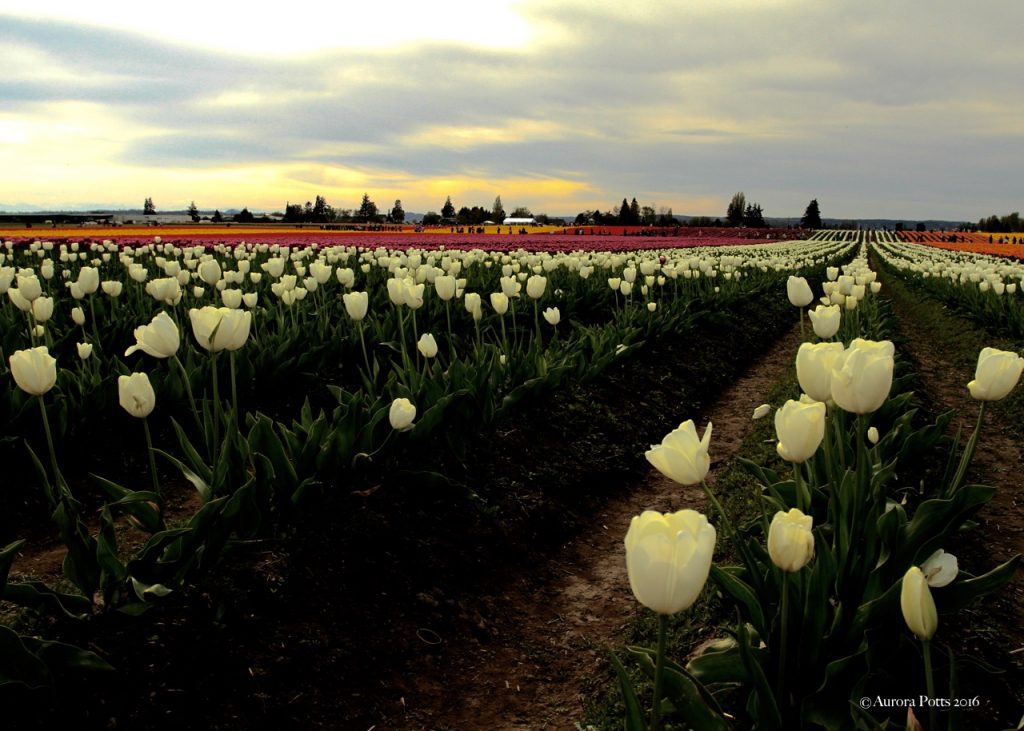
x,y
814,368
135,394
862,376
762,411
34,370
19,300
668,558
401,414
940,568
427,345
790,540
552,315
996,374
800,428
917,604
356,304
681,456
799,291
84,350
825,320
160,338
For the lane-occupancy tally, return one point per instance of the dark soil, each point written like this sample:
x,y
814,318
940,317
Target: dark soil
x,y
410,602
490,600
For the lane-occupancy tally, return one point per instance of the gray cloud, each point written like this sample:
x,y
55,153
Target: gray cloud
x,y
879,104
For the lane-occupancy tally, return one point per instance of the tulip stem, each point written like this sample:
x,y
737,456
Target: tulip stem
x,y
152,457
50,496
929,681
659,668
968,455
234,387
783,641
362,344
451,340
188,390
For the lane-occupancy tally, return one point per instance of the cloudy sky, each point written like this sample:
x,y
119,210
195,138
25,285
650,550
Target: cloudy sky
x,y
908,109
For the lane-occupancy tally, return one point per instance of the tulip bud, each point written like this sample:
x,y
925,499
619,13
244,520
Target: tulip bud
x,y
681,456
472,303
668,558
84,350
220,328
356,304
814,368
799,292
873,435
499,302
800,428
790,540
427,345
34,370
862,376
135,394
42,308
996,374
825,320
917,604
401,414
78,315
535,286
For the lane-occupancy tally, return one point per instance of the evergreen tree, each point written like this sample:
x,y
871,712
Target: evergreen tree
x,y
634,212
148,208
753,216
448,210
497,210
217,217
367,210
397,214
193,212
624,213
812,216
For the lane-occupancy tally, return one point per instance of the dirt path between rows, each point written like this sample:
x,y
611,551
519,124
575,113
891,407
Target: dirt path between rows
x,y
548,631
994,630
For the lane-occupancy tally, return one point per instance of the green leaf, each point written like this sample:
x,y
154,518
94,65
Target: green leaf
x,y
962,592
768,709
18,664
61,657
202,486
7,556
634,719
743,593
36,594
720,663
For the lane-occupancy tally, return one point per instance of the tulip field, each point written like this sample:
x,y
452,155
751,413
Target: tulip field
x,y
232,458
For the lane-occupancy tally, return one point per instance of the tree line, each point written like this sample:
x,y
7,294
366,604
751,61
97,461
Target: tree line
x,y
739,212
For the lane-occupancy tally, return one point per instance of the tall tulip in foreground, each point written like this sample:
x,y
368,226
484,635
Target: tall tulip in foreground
x,y
136,395
668,559
922,618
